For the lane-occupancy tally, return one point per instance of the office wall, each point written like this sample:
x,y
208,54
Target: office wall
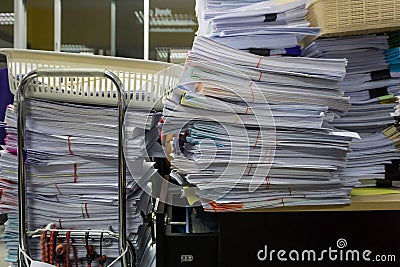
x,y
83,22
6,31
40,24
129,40
86,22
7,6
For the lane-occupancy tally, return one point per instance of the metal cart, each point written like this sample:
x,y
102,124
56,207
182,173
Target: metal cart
x,y
23,231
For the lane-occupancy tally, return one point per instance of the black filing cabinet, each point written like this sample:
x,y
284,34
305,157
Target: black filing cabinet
x,y
177,248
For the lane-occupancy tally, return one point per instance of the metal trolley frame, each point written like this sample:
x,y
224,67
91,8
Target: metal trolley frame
x,y
124,244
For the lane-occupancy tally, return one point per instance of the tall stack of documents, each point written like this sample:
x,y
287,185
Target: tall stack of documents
x,y
9,201
252,131
261,27
372,84
72,172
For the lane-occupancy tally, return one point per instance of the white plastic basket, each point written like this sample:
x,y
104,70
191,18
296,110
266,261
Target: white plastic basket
x,y
146,83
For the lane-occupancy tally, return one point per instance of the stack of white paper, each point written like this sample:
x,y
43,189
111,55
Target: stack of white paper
x,y
368,157
273,26
372,88
72,172
254,131
9,202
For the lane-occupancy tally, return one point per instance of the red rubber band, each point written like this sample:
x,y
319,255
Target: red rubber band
x,y
58,189
259,61
252,91
259,78
86,210
51,246
69,145
265,155
75,172
267,182
258,135
251,166
43,246
67,249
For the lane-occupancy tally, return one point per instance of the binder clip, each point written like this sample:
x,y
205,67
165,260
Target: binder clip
x,y
270,17
392,172
378,92
380,75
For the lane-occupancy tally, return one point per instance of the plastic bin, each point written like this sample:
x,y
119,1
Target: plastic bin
x,y
146,83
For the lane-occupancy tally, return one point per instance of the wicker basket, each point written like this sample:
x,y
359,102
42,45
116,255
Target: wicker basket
x,y
354,17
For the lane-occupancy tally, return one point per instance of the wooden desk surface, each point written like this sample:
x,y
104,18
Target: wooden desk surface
x,y
358,203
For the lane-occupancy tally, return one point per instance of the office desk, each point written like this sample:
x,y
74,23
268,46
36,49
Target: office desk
x,y
370,223
358,203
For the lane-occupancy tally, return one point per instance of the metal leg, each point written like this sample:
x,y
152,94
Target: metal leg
x,y
23,241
